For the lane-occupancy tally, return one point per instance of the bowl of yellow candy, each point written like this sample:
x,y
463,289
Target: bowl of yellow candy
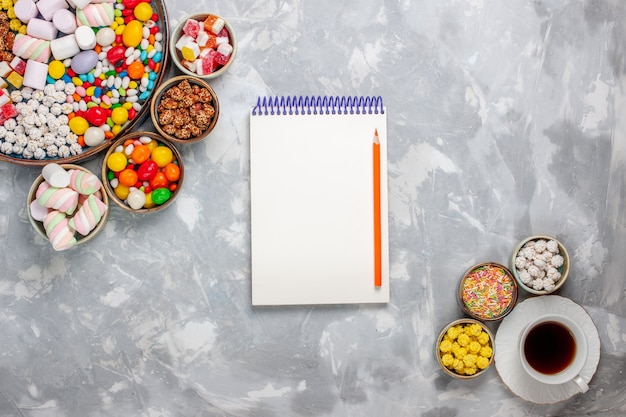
x,y
465,348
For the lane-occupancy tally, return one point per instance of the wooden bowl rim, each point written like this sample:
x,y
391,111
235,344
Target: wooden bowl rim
x,y
465,320
109,189
157,99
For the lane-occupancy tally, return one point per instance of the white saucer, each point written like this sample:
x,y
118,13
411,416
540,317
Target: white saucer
x,y
508,362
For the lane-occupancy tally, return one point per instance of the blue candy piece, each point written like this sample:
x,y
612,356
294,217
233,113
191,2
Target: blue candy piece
x,y
144,95
157,57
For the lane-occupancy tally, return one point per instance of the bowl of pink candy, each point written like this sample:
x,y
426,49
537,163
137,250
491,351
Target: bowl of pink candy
x,y
203,45
67,205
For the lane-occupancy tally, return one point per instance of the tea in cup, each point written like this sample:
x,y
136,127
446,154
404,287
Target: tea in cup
x,y
553,350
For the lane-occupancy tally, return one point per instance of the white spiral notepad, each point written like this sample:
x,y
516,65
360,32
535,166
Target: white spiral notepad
x,y
316,178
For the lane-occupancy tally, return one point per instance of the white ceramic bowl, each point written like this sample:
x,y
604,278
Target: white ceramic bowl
x,y
176,54
563,269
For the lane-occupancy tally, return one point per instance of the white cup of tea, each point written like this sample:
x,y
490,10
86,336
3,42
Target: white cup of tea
x,y
553,350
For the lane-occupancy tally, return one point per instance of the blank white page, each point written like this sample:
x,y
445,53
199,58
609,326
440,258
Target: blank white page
x,y
312,230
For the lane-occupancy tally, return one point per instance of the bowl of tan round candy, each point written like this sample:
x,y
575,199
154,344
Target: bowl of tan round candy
x,y
67,205
184,109
540,264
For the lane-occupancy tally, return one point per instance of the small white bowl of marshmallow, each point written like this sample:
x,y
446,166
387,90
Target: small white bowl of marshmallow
x,y
67,205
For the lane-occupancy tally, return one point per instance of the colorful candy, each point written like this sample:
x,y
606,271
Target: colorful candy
x,y
204,46
112,58
143,172
488,292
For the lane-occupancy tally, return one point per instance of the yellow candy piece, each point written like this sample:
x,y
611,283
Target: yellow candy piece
x,y
132,34
162,155
463,339
446,346
78,125
117,161
469,360
149,203
486,352
15,79
56,69
152,145
143,11
119,115
482,362
122,191
447,360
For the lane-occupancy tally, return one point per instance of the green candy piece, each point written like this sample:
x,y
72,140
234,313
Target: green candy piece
x,y
161,195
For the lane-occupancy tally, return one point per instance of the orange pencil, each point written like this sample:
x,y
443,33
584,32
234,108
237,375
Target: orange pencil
x,y
377,219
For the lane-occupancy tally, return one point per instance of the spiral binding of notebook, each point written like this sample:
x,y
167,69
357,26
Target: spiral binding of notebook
x,y
318,105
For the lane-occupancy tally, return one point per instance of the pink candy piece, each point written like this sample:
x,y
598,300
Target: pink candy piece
x,y
7,111
27,47
88,215
95,15
25,10
35,74
37,211
58,230
61,199
191,28
42,29
84,182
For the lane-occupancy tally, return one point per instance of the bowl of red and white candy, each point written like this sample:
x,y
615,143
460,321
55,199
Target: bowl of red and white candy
x,y
203,45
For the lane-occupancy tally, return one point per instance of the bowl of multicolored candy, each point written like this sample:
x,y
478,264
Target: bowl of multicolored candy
x,y
67,205
488,291
203,45
465,348
76,76
540,264
142,172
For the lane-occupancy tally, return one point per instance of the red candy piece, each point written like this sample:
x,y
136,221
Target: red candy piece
x,y
208,63
147,170
224,34
191,28
115,55
7,112
130,4
18,65
97,116
220,58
